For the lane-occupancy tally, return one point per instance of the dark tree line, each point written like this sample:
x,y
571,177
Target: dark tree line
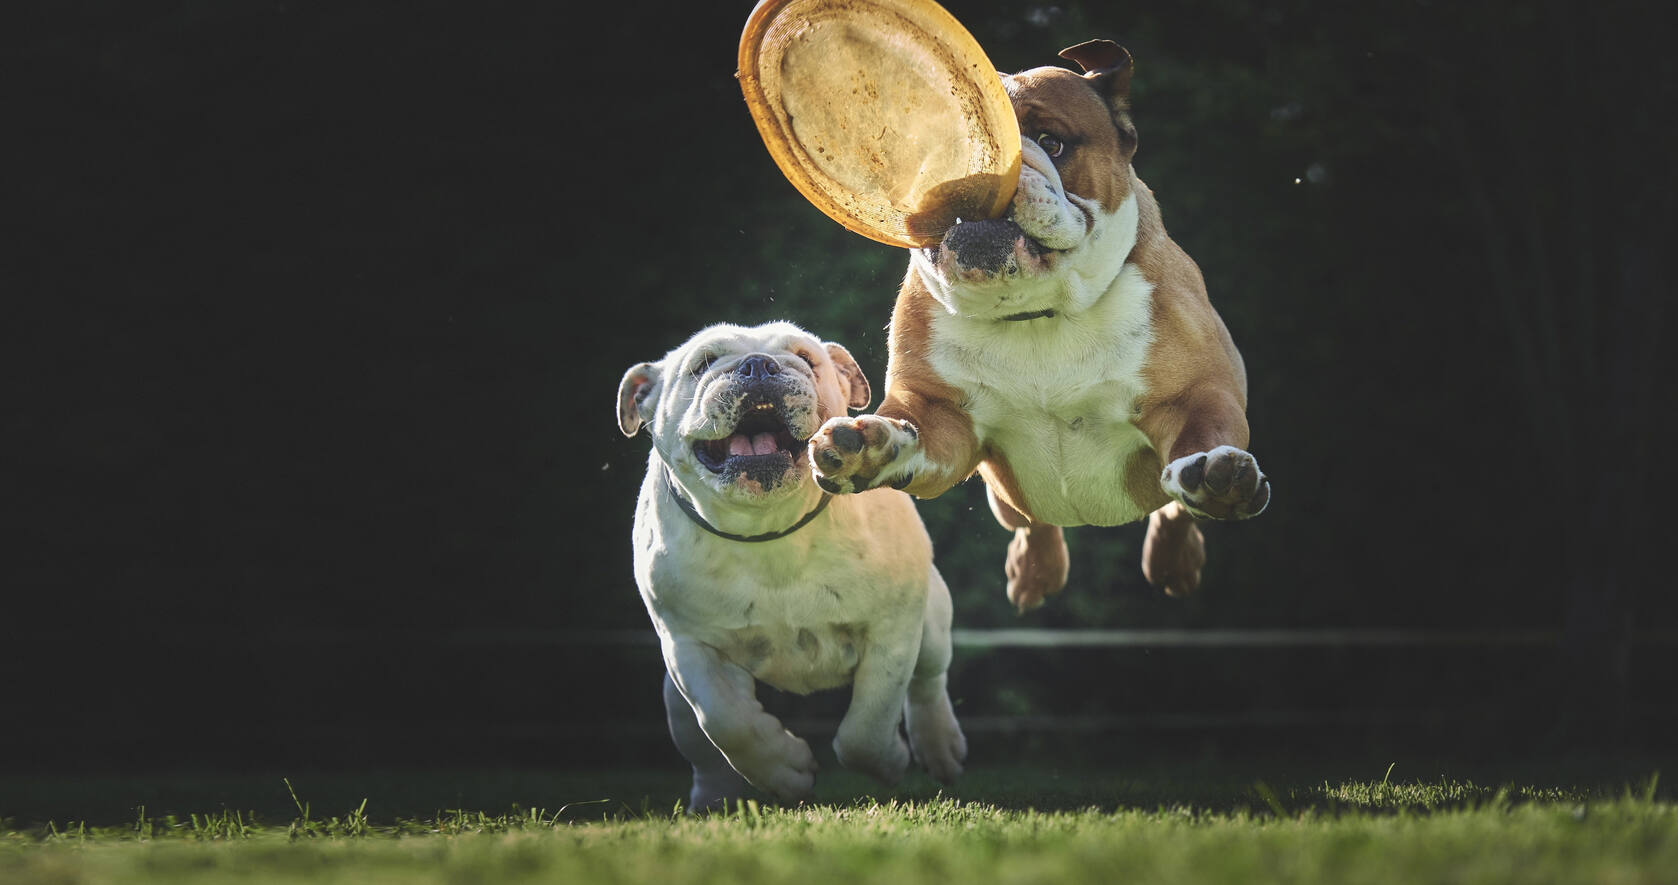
x,y
317,310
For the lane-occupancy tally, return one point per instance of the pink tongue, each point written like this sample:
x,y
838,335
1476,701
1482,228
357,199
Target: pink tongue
x,y
761,444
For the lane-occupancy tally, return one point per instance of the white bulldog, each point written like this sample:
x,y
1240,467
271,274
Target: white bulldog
x,y
750,571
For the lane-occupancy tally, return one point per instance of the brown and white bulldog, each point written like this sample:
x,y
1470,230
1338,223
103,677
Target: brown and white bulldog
x,y
1067,352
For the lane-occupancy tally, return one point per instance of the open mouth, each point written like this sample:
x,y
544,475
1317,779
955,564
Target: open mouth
x,y
760,441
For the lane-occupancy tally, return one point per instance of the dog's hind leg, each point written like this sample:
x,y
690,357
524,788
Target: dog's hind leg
x,y
1174,550
715,782
1037,561
935,736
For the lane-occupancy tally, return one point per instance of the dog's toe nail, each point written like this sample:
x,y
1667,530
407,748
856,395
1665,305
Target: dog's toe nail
x,y
904,482
828,485
847,440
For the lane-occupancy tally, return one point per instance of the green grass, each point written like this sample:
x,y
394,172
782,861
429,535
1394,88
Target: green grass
x,y
1181,823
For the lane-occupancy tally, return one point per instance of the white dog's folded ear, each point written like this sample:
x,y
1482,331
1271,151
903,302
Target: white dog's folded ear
x,y
857,391
633,393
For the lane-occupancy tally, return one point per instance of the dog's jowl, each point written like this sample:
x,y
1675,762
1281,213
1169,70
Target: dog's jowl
x,y
752,572
1067,352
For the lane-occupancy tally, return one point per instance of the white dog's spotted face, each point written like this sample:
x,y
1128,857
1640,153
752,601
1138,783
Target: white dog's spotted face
x,y
733,408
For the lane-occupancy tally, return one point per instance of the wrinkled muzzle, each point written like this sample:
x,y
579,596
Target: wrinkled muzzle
x,y
1042,208
1041,220
759,419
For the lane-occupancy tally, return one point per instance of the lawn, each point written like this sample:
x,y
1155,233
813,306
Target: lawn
x,y
1171,822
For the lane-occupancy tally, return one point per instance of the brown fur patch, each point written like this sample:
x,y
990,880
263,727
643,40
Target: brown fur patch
x,y
915,393
1196,382
1000,478
1061,103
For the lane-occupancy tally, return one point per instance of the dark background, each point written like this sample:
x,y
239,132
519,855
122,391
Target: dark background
x,y
314,310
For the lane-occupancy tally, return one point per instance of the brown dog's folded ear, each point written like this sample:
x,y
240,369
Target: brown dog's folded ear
x,y
1108,66
857,391
1101,58
633,391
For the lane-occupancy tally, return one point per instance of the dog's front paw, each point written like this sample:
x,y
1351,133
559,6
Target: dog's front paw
x,y
1225,483
857,454
936,737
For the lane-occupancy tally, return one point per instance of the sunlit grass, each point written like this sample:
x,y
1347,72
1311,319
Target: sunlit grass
x,y
1338,830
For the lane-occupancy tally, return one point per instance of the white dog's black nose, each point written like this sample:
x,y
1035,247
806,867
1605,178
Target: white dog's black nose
x,y
757,367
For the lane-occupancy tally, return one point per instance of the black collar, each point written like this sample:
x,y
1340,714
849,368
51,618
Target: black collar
x,y
1029,315
686,506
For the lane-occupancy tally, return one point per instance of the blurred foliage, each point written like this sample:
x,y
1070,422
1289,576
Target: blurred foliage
x,y
319,307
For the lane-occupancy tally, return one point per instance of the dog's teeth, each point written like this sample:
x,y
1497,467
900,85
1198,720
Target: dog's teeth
x,y
764,407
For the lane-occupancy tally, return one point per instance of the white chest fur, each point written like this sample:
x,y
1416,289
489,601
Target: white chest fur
x,y
799,612
1056,396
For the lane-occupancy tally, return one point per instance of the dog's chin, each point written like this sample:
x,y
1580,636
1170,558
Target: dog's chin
x,y
751,477
993,251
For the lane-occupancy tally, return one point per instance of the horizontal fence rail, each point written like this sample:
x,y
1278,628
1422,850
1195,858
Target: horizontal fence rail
x,y
1023,637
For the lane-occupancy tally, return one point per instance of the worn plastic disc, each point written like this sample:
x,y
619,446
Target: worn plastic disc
x,y
885,114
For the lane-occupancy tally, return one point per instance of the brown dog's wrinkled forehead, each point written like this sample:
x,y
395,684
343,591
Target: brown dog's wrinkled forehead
x,y
1068,104
1052,87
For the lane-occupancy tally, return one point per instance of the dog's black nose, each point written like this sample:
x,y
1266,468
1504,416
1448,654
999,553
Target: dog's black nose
x,y
987,245
758,366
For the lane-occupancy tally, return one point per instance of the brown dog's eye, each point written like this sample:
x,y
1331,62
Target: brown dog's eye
x,y
1051,145
808,360
703,364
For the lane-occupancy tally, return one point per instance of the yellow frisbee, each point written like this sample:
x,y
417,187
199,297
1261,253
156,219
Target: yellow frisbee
x,y
885,114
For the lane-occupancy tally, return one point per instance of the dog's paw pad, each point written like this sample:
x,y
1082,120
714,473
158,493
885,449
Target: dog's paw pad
x,y
847,440
857,454
1224,483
